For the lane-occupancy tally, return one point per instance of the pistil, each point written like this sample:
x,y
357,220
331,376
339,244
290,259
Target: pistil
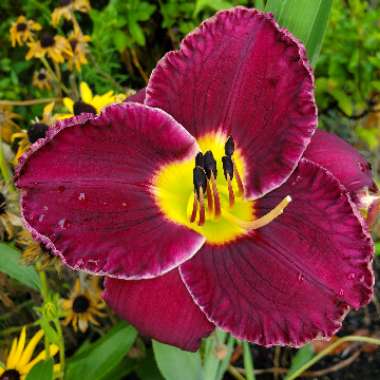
x,y
263,220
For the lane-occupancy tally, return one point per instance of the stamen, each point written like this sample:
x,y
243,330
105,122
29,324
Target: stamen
x,y
239,182
209,198
199,160
202,214
215,191
231,194
229,147
195,208
262,221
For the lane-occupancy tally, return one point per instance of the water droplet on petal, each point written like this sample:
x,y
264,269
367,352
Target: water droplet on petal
x,y
300,277
351,276
82,196
341,292
46,208
63,223
362,278
124,204
41,218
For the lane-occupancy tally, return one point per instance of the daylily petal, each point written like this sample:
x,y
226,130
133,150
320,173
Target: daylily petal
x,y
87,192
161,308
239,74
342,160
294,279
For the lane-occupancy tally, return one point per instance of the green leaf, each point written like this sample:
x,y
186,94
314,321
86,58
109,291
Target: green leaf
x,y
302,356
41,371
176,364
306,19
377,245
248,362
10,263
215,5
98,359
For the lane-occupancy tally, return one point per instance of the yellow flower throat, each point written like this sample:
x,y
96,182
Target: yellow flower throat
x,y
211,203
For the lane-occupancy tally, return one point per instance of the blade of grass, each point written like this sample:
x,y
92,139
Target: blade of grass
x,y
248,362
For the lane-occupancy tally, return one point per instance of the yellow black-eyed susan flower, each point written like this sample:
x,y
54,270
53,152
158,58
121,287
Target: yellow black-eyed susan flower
x,y
27,137
33,252
20,358
41,79
22,140
83,305
22,31
88,102
79,45
9,220
66,10
55,47
8,125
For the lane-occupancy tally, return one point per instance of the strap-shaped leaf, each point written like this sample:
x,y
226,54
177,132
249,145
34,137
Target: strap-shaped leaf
x,y
306,19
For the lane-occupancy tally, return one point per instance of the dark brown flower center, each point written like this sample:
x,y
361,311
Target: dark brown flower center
x,y
10,374
37,131
47,40
81,304
82,107
73,43
41,76
63,3
3,204
21,27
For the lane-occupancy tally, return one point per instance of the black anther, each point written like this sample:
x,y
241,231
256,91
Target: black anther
x,y
199,160
210,164
199,179
229,147
228,167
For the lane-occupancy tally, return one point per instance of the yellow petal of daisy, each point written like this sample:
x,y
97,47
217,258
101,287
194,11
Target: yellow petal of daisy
x,y
85,92
20,347
10,361
48,109
62,116
27,354
53,349
2,370
69,104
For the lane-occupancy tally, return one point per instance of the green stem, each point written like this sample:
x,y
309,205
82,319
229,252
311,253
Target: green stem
x,y
329,349
45,294
16,309
54,76
61,348
28,102
5,171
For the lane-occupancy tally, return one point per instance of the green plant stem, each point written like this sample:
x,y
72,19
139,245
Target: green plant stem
x,y
235,373
16,309
14,329
61,348
28,102
45,294
54,76
5,171
329,349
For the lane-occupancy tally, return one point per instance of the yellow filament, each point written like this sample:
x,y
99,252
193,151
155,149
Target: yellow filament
x,y
264,220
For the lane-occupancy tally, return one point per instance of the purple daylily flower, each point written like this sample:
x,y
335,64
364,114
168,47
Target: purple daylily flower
x,y
206,204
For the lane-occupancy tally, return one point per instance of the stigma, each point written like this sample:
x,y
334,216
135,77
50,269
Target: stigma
x,y
206,191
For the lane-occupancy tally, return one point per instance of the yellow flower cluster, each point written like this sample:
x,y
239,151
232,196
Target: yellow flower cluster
x,y
58,48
